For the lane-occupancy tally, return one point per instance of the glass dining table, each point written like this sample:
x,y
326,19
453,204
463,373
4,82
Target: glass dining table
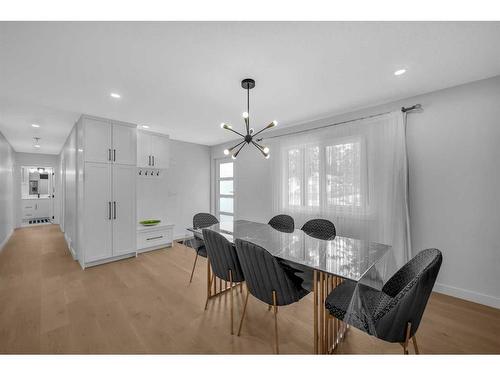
x,y
329,262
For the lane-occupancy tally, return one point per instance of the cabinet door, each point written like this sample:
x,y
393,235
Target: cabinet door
x,y
97,234
124,206
160,150
124,144
43,208
143,149
97,140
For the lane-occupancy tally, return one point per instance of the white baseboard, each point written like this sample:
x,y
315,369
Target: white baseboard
x,y
7,238
468,295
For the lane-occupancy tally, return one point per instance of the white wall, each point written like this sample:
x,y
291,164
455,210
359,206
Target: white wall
x,y
454,181
6,191
183,190
68,183
37,160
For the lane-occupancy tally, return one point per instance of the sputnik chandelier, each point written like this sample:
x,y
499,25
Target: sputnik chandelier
x,y
248,139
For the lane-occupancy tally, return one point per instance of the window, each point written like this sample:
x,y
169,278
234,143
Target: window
x,y
325,175
225,194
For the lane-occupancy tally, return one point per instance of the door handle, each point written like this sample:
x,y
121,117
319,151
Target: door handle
x,y
114,210
153,160
109,210
114,154
149,160
109,154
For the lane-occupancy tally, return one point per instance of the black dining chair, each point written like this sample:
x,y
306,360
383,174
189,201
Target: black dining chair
x,y
392,314
267,281
201,220
320,228
283,223
224,261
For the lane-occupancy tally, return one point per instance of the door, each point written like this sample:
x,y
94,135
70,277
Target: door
x,y
97,241
143,149
124,144
124,206
160,151
224,197
97,140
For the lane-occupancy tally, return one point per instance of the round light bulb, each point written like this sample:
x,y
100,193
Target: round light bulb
x,y
251,130
226,152
266,150
275,122
245,114
267,156
222,125
233,157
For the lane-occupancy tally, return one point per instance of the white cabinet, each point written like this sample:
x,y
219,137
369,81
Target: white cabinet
x,y
160,151
36,208
153,150
97,140
108,141
124,206
97,218
106,192
156,237
124,144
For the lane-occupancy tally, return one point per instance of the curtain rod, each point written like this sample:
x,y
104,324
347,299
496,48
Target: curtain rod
x,y
403,109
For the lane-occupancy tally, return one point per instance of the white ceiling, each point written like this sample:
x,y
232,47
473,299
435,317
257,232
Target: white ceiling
x,y
184,78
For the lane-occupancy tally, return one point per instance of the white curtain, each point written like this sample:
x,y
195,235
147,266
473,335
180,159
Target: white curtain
x,y
353,174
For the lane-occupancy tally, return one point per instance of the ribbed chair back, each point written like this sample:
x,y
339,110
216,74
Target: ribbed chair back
x,y
282,223
263,275
320,228
410,288
222,256
203,220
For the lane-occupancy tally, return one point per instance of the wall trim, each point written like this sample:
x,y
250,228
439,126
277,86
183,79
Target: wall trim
x,y
469,295
7,238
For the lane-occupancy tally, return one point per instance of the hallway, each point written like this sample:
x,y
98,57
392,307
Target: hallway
x,y
48,304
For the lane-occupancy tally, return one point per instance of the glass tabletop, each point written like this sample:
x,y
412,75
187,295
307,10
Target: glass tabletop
x,y
345,257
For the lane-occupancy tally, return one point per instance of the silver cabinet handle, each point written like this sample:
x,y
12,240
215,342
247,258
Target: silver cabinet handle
x,y
153,160
109,154
114,210
109,210
154,238
149,161
114,154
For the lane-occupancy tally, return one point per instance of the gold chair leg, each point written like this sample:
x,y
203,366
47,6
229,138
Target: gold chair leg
x,y
276,344
209,283
231,292
269,307
244,311
414,339
407,338
194,266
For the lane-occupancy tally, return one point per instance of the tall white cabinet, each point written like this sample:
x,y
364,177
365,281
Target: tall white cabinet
x,y
106,190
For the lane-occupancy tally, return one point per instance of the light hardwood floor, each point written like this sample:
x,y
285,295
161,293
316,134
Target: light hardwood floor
x,y
48,304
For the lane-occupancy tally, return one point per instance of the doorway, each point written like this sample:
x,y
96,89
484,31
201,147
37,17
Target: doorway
x,y
37,195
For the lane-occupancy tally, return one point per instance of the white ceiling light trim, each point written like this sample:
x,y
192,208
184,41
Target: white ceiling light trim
x,y
115,95
400,72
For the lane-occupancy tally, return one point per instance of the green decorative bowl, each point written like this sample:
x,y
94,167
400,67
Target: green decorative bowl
x,y
149,223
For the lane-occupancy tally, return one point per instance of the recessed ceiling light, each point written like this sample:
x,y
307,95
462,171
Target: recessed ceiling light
x,y
145,126
35,125
115,95
37,146
399,72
